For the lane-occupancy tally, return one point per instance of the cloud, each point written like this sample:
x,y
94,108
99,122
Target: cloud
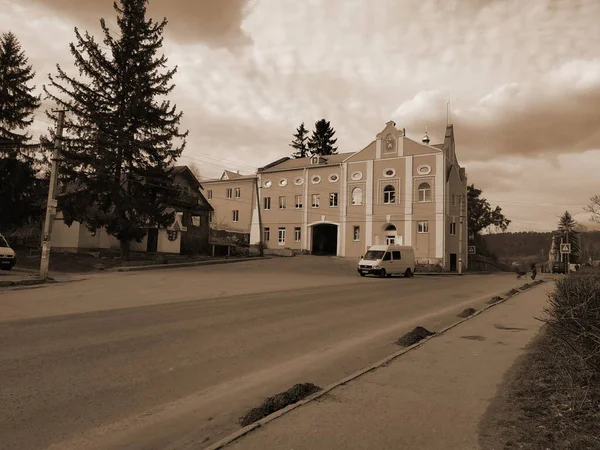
x,y
215,23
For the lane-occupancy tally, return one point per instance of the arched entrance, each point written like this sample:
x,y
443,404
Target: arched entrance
x,y
324,239
390,234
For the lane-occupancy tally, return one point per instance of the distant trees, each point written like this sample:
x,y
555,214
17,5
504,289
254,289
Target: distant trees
x,y
19,186
594,209
122,136
481,215
321,141
300,142
568,230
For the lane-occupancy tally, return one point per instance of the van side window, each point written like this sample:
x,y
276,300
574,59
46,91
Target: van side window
x,y
396,254
387,256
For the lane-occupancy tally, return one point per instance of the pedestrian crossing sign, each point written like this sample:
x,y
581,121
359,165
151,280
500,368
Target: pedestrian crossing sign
x,y
565,248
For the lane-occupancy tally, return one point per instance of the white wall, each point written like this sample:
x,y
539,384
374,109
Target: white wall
x,y
166,246
64,236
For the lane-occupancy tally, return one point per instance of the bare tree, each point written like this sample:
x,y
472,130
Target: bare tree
x,y
195,170
594,209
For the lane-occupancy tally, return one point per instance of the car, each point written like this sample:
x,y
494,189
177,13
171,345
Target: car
x,y
387,260
8,257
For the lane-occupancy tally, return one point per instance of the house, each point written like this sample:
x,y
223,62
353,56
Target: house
x,y
189,233
235,209
395,190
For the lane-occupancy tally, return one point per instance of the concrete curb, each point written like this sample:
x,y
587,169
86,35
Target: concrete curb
x,y
30,282
384,362
186,264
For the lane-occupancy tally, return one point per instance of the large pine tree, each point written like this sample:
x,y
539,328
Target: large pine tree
x,y
321,141
300,142
567,230
19,187
122,135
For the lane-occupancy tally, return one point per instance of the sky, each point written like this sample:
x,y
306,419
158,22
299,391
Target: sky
x,y
522,79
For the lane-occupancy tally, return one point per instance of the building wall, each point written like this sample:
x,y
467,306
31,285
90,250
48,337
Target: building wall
x,y
224,207
167,246
63,236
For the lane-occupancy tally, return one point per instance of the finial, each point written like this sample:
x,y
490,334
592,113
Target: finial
x,y
426,137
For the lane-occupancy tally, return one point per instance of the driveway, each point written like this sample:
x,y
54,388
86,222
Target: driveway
x,y
171,359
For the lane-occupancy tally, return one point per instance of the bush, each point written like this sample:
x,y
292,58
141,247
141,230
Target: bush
x,y
574,315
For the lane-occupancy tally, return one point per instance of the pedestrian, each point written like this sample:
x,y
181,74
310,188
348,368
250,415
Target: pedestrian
x,y
533,270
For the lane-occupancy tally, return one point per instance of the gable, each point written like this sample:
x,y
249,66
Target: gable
x,y
367,153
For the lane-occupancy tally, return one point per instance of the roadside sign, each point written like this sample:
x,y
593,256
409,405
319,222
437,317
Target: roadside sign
x,y
472,249
53,203
565,248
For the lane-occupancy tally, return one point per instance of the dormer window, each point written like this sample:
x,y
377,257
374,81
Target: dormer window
x,y
314,160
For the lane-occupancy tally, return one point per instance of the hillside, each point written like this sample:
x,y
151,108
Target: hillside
x,y
507,246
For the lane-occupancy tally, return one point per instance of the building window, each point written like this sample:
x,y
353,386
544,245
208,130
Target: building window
x,y
453,199
388,173
267,202
424,192
357,196
209,194
316,199
333,199
229,192
282,204
268,184
334,177
424,169
423,227
283,182
238,193
389,194
267,234
297,234
172,235
356,233
236,215
298,200
453,228
281,236
316,179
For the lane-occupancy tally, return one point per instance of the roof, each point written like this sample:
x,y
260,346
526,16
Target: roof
x,y
185,170
237,177
301,163
440,146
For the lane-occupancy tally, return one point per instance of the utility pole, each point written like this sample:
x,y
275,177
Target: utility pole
x,y
461,202
51,204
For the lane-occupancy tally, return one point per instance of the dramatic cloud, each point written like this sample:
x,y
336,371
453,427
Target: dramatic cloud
x,y
522,78
216,23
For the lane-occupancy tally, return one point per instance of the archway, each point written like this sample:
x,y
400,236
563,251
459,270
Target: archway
x,y
324,239
390,234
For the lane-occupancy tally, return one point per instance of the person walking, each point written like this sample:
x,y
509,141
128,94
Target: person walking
x,y
533,271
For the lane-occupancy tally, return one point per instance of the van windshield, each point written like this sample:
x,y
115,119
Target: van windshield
x,y
3,242
373,255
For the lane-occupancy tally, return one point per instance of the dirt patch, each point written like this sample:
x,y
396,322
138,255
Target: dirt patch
x,y
473,338
511,292
467,313
495,299
539,406
502,327
277,402
414,336
525,287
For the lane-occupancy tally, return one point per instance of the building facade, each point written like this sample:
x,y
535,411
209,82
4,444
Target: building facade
x,y
395,190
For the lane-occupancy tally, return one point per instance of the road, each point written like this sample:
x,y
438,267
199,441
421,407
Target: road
x,y
170,359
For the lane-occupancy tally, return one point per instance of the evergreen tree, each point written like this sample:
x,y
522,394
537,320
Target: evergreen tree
x,y
19,187
567,230
119,144
321,142
300,142
17,103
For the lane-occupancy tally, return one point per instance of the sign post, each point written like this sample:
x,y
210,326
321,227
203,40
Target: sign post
x,y
472,250
565,250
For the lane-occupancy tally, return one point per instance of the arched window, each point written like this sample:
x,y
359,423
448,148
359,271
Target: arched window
x,y
389,194
424,192
357,196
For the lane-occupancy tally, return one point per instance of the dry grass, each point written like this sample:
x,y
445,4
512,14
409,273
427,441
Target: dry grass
x,y
544,403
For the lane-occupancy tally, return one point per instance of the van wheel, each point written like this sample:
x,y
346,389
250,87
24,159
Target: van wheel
x,y
382,274
362,274
408,273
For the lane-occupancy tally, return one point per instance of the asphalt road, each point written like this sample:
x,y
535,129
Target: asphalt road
x,y
177,356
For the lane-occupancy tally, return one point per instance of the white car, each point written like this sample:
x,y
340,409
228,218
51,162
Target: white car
x,y
388,260
8,257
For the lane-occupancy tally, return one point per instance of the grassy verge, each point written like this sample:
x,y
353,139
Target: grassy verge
x,y
551,398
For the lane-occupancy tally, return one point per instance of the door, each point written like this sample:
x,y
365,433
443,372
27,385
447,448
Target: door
x,y
152,240
453,266
387,263
390,240
397,261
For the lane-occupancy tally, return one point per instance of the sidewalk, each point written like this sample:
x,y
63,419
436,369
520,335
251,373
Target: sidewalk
x,y
432,397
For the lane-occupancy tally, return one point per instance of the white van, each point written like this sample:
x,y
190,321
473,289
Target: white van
x,y
388,260
8,258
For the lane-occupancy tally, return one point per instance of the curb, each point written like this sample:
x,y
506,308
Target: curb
x,y
186,264
31,282
384,362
